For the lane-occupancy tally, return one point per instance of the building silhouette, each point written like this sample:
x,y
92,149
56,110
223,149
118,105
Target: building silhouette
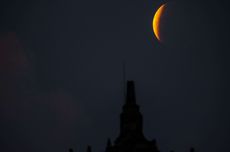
x,y
131,137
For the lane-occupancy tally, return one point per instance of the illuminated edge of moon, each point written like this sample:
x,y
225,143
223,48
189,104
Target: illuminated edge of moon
x,y
156,21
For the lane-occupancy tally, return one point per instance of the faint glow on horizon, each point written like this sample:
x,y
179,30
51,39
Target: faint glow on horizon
x,y
156,21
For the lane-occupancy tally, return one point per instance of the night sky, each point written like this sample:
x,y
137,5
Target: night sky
x,y
61,73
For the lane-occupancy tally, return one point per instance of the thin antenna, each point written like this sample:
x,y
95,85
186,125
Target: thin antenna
x,y
124,78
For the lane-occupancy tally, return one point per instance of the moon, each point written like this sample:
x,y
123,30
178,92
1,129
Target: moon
x,y
156,21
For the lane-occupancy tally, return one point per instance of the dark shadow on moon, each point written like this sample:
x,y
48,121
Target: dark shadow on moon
x,y
189,25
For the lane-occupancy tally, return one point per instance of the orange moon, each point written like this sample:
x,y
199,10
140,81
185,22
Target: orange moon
x,y
156,21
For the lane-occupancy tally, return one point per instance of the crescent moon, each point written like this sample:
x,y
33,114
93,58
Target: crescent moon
x,y
156,21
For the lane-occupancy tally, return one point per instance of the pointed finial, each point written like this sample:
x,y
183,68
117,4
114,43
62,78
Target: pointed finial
x,y
124,76
130,94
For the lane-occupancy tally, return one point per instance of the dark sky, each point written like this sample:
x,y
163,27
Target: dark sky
x,y
61,82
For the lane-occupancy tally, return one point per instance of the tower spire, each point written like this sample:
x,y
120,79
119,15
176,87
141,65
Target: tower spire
x,y
124,77
131,123
131,137
130,93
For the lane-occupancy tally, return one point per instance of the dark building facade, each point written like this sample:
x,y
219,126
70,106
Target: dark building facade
x,y
131,137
